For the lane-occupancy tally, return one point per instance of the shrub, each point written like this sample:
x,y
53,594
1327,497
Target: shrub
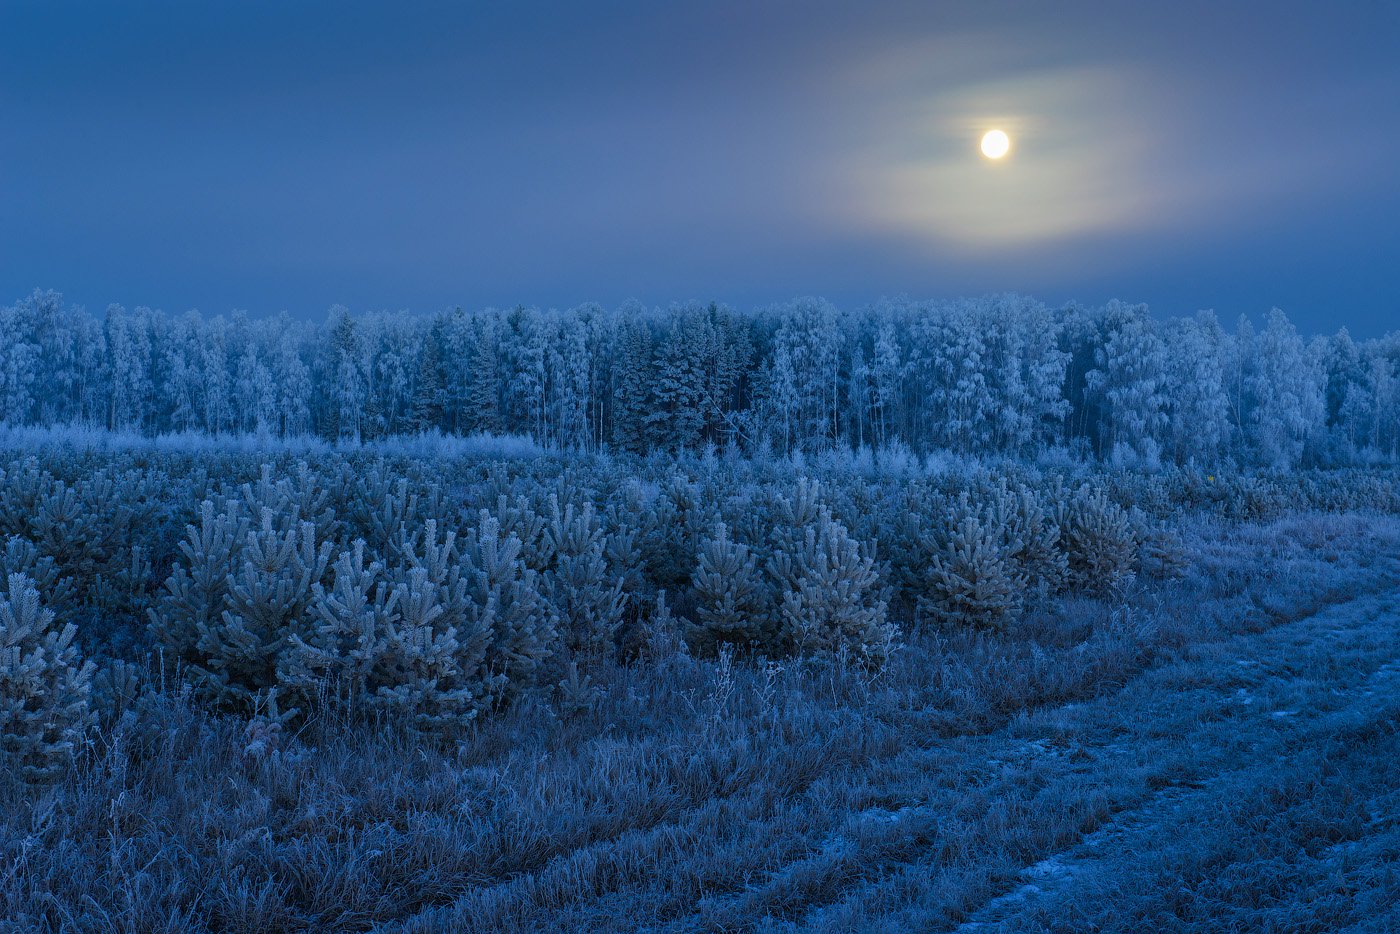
x,y
44,686
1162,553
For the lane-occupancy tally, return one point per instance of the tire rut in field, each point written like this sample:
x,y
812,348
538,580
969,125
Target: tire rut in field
x,y
874,872
1054,876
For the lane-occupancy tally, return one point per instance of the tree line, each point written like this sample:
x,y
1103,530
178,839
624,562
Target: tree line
x,y
999,375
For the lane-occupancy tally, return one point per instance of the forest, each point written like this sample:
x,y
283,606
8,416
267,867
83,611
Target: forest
x,y
996,376
689,619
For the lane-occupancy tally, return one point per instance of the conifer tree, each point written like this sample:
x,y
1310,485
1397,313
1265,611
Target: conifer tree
x,y
973,578
829,592
269,593
508,595
826,587
677,418
729,597
1099,540
20,556
482,411
524,346
44,686
587,600
429,396
454,630
335,656
231,609
634,379
347,392
428,659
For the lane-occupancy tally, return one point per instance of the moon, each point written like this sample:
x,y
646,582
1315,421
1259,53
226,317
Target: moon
x,y
995,144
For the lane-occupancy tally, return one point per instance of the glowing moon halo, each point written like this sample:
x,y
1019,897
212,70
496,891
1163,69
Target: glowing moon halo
x,y
995,144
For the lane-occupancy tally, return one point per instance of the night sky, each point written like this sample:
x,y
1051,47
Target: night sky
x,y
269,156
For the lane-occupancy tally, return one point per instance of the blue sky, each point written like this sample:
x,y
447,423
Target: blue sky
x,y
265,156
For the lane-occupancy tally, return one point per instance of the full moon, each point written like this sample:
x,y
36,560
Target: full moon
x,y
995,144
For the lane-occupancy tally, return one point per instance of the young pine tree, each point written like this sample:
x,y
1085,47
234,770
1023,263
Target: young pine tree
x,y
44,686
587,598
830,595
972,577
729,597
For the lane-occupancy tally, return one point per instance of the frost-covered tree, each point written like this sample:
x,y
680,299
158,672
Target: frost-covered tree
x,y
19,371
482,405
1283,393
256,392
217,394
524,349
633,382
20,556
1197,400
1099,539
676,416
829,594
1028,374
428,659
950,360
44,686
346,389
183,382
1129,381
42,352
888,372
973,578
428,409
730,597
451,630
1355,395
803,385
1384,367
249,575
292,377
587,599
129,349
1000,375
571,380
725,351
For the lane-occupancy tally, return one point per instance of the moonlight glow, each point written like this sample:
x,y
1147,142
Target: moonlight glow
x,y
995,144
